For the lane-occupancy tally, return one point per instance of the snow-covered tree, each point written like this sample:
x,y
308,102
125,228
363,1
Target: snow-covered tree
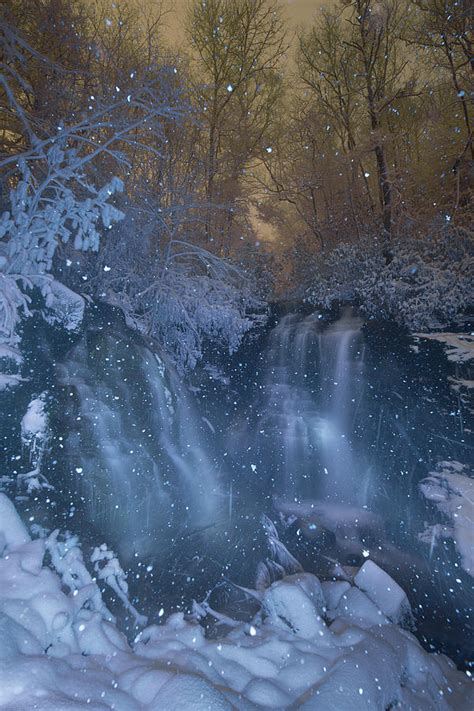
x,y
56,194
172,289
422,284
130,130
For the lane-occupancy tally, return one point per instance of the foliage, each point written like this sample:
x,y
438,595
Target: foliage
x,y
54,192
377,134
64,178
181,294
236,49
421,284
41,216
207,149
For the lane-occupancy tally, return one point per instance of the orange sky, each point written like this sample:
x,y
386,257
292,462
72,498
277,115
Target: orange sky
x,y
301,11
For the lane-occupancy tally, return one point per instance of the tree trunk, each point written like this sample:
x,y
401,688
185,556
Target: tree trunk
x,y
385,190
385,185
211,173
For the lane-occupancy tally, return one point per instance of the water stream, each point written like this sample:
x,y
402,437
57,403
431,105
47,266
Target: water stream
x,y
325,425
135,446
312,392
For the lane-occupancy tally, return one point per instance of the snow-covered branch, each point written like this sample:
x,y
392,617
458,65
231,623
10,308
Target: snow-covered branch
x,y
56,192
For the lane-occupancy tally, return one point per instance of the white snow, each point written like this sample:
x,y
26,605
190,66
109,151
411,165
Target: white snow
x,y
383,591
10,357
63,306
451,489
326,646
34,424
7,351
13,533
459,346
108,568
459,383
8,381
291,603
35,436
425,285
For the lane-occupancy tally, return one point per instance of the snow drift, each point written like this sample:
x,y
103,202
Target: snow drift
x,y
330,645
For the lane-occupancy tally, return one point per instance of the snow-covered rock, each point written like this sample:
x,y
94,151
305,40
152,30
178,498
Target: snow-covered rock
x,y
296,603
451,489
384,592
35,435
34,424
60,650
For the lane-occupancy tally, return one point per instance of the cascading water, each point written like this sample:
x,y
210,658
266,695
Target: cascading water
x,y
136,448
331,425
313,389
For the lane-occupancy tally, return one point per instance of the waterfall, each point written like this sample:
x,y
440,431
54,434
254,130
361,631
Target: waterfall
x,y
136,450
341,369
313,389
323,423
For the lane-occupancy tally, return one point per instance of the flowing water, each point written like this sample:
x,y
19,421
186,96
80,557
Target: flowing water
x,y
137,452
325,425
313,389
342,424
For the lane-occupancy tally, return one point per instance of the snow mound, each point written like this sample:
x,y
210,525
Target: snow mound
x,y
63,307
459,346
452,492
313,645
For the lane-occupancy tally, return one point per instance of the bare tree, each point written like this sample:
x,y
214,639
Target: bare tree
x,y
327,66
376,33
237,46
446,26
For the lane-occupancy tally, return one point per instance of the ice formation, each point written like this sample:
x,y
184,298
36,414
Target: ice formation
x,y
329,645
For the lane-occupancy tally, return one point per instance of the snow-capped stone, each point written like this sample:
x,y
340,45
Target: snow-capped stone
x,y
384,592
